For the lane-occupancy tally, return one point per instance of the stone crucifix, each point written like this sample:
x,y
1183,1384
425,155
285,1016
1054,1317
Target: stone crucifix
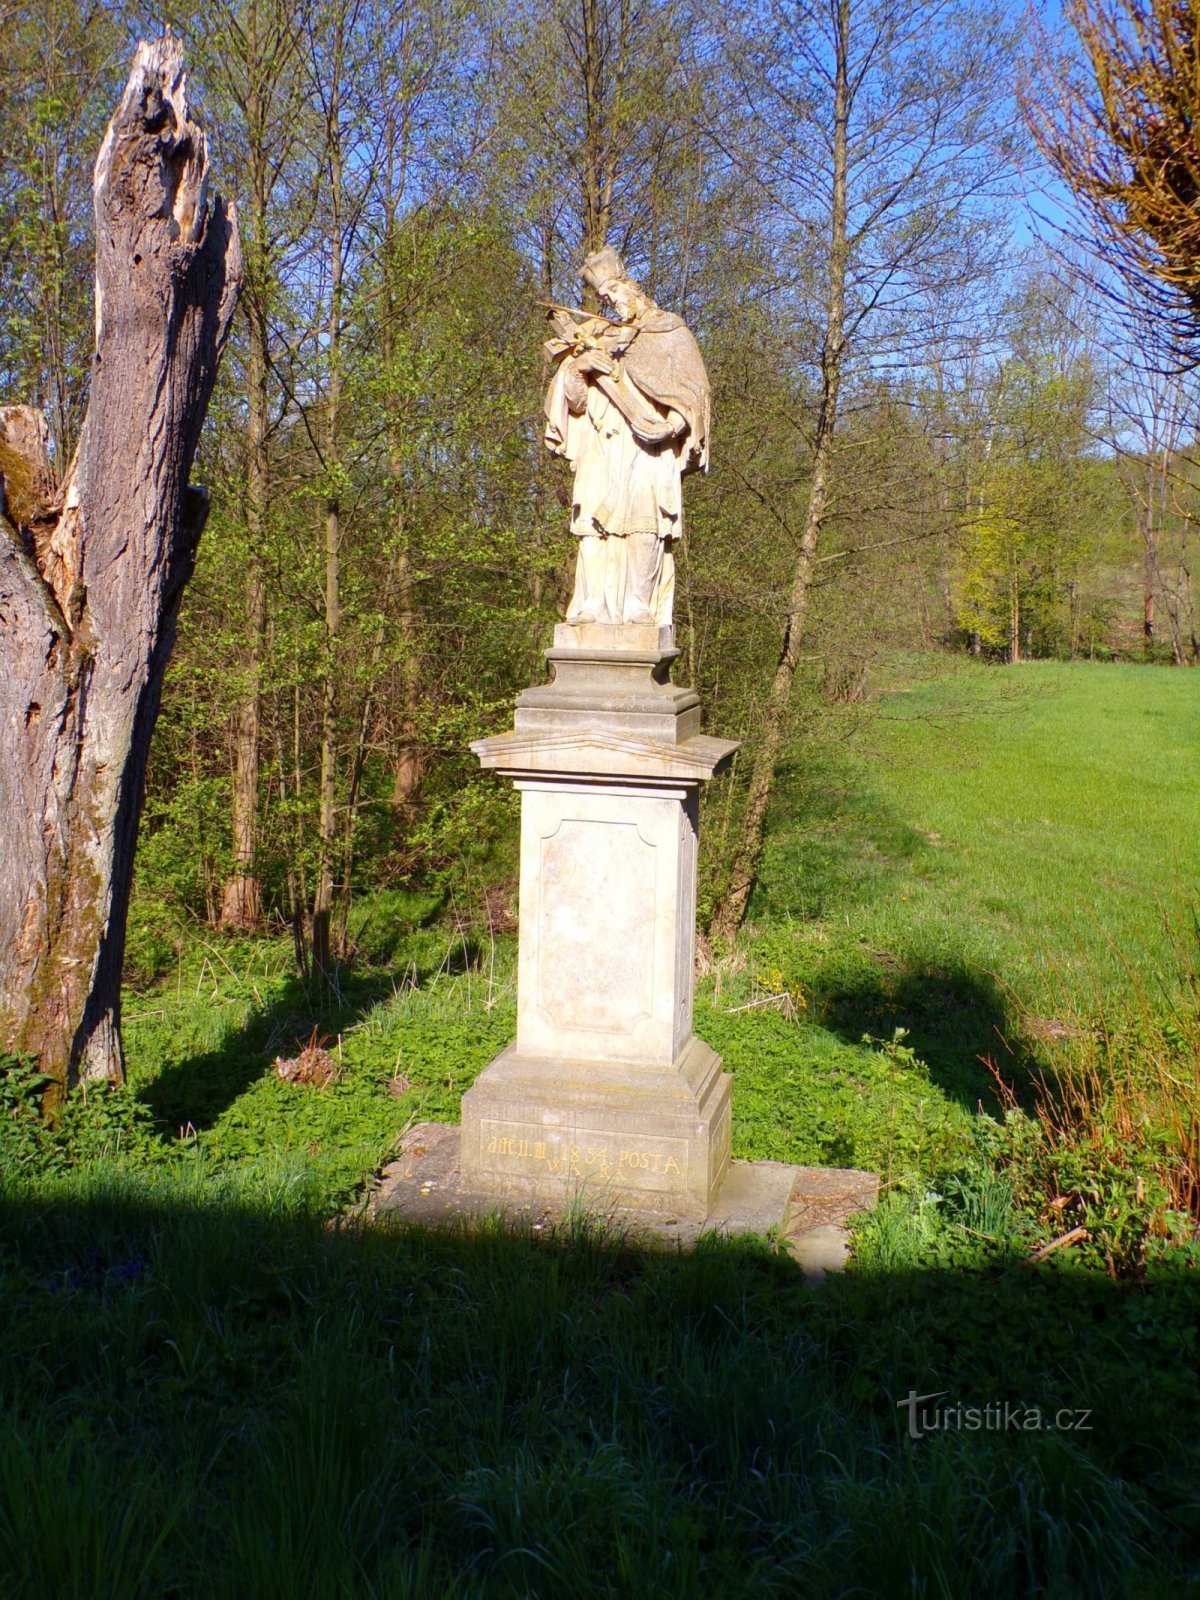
x,y
628,407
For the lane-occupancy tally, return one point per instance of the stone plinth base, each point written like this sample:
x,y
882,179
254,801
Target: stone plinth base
x,y
605,1133
805,1208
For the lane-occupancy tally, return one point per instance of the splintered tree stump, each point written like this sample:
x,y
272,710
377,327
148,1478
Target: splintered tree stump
x,y
91,575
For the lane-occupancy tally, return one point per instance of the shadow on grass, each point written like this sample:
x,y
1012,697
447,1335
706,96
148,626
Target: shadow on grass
x,y
235,1400
836,845
197,1089
955,1021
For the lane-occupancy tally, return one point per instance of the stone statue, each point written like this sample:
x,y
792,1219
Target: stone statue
x,y
628,406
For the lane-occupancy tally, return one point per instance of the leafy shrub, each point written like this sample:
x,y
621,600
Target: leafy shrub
x,y
1113,1145
104,1123
100,1123
24,1136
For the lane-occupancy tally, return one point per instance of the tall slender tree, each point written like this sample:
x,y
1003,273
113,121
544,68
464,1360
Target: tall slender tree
x,y
59,71
880,153
249,55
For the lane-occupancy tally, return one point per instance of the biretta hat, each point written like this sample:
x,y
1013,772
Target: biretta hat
x,y
601,267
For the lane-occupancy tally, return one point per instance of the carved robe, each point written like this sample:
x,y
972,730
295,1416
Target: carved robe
x,y
621,485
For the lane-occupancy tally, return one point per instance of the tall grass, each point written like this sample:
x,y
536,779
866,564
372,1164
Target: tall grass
x,y
1114,1140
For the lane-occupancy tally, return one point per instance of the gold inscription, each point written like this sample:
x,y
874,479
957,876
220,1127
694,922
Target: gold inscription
x,y
534,1149
586,1159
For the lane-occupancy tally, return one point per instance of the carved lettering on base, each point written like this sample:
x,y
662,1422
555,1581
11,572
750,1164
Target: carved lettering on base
x,y
624,1159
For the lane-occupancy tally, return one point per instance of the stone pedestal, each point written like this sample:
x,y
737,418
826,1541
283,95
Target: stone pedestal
x,y
606,1093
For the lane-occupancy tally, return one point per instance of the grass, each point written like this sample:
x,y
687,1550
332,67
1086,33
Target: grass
x,y
1028,824
207,1392
208,1386
1003,853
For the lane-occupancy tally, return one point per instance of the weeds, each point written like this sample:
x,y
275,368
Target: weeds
x,y
1111,1150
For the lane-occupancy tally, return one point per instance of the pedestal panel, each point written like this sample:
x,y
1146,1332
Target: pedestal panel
x,y
649,1140
607,925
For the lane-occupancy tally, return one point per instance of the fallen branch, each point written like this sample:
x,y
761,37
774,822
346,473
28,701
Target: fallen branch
x,y
1072,1236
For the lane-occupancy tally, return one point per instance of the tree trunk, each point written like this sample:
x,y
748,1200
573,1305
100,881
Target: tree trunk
x,y
408,762
322,915
90,590
241,902
1157,488
407,775
603,66
731,911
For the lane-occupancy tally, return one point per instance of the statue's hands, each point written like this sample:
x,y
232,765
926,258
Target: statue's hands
x,y
590,362
652,433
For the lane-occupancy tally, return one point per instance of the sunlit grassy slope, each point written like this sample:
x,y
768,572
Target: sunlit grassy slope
x,y
1005,820
996,853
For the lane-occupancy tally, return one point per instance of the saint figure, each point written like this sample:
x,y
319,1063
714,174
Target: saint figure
x,y
628,406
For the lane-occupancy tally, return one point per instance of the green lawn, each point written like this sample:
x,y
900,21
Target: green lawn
x,y
207,1390
1008,820
999,851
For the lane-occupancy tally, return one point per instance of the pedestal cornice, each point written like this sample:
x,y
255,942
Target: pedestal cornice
x,y
603,754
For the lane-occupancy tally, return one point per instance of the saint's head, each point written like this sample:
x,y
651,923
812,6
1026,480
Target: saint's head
x,y
604,271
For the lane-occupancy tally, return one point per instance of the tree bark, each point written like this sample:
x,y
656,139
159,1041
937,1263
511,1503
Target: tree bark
x,y
603,66
407,777
1152,518
407,772
241,901
252,48
90,585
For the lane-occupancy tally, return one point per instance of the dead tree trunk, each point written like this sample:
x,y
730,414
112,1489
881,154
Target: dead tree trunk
x,y
90,584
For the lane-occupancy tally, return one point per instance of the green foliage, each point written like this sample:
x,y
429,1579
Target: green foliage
x,y
1037,505
107,1126
183,846
804,1095
551,1402
25,1137
154,936
101,1124
406,1039
382,923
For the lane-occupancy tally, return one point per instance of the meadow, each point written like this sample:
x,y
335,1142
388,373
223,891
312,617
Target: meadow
x,y
970,966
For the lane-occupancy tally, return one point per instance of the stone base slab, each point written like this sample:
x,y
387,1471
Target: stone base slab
x,y
600,1133
425,1186
589,637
